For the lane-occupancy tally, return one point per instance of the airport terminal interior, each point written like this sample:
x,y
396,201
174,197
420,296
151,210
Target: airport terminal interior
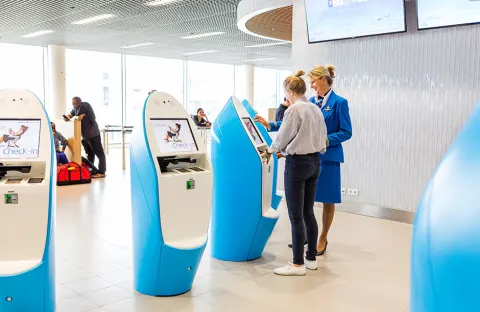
x,y
145,164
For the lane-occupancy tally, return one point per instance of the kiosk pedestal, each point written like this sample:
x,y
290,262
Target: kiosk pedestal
x,y
243,213
27,204
171,180
446,234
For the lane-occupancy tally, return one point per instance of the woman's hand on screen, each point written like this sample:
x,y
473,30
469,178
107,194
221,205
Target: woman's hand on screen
x,y
261,120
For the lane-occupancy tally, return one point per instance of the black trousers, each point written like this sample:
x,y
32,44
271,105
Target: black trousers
x,y
93,147
301,175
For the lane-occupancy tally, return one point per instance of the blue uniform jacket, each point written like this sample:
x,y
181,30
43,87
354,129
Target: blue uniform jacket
x,y
339,126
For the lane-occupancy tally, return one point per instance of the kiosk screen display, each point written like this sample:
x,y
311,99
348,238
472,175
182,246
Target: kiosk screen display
x,y
19,138
252,131
174,135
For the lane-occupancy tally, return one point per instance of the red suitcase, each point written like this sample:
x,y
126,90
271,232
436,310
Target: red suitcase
x,y
72,173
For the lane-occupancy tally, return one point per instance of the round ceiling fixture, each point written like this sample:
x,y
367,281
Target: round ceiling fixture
x,y
270,19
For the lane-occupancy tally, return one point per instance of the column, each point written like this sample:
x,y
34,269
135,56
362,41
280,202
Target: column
x,y
248,83
57,88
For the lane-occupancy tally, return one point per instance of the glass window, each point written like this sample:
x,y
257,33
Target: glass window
x,y
209,86
21,66
96,78
144,74
239,83
281,75
265,88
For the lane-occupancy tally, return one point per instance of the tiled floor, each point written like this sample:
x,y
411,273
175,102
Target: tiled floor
x,y
366,268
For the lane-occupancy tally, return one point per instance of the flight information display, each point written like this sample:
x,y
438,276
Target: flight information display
x,y
341,19
441,13
19,138
174,135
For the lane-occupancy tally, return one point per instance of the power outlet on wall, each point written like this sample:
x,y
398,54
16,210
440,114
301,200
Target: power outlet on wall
x,y
343,191
353,192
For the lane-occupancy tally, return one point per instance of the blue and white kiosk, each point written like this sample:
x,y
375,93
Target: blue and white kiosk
x,y
244,211
27,204
445,271
276,199
171,183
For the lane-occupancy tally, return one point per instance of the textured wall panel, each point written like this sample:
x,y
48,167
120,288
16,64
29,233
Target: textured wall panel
x,y
409,95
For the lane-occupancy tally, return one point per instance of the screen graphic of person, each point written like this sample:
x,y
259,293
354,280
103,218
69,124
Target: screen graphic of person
x,y
250,129
13,137
173,133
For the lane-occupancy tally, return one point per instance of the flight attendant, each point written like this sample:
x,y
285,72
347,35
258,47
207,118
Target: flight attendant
x,y
339,129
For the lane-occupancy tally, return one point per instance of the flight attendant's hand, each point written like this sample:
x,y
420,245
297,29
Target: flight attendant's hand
x,y
279,155
261,120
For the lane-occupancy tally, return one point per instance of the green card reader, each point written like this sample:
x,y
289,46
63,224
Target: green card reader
x,y
11,199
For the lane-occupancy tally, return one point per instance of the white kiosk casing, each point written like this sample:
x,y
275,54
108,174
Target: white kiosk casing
x,y
27,203
171,168
267,167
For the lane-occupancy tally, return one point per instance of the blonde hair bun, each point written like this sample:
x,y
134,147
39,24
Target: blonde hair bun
x,y
299,73
331,70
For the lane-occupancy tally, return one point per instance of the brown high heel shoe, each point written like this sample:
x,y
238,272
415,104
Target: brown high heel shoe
x,y
321,253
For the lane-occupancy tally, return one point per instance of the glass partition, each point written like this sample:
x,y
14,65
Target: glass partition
x,y
21,66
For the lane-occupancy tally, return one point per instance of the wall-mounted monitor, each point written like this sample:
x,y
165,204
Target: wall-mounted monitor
x,y
252,131
174,135
19,138
329,20
443,13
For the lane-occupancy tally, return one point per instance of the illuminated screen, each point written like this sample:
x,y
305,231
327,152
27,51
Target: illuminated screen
x,y
252,131
174,135
341,19
441,13
19,138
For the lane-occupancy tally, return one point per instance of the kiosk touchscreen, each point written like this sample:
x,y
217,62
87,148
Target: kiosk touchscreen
x,y
243,216
171,181
27,204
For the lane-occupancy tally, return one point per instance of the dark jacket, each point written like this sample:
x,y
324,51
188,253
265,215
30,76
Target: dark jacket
x,y
280,112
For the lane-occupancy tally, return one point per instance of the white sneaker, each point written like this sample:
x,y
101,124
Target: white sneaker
x,y
311,265
291,270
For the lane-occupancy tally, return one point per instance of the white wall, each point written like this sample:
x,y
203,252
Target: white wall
x,y
409,95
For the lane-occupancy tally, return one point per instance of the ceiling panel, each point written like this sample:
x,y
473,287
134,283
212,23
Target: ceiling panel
x,y
134,23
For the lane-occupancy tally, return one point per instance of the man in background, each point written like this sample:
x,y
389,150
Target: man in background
x,y
91,140
281,109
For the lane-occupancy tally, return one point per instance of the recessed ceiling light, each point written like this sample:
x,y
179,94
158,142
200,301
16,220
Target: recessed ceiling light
x,y
137,45
203,35
267,44
160,2
93,19
38,33
200,52
261,59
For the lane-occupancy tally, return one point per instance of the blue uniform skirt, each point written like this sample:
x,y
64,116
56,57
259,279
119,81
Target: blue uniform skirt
x,y
329,185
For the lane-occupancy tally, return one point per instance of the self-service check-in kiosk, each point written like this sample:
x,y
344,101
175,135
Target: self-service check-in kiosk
x,y
276,199
445,269
243,216
171,180
27,204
